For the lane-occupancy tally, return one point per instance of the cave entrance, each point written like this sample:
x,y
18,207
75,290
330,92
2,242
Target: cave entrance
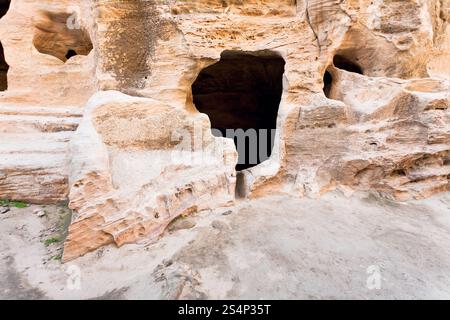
x,y
4,67
346,64
71,53
343,63
241,95
4,7
327,83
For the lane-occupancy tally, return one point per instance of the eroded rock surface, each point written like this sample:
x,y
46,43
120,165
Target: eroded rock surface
x,y
97,105
274,247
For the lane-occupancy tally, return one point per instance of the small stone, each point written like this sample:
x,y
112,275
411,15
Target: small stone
x,y
167,262
182,224
39,212
227,213
219,225
100,253
4,210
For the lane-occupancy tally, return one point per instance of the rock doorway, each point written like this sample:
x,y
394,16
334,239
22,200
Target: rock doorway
x,y
4,67
241,95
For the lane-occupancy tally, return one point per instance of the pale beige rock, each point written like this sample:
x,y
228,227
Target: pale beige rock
x,y
127,186
127,172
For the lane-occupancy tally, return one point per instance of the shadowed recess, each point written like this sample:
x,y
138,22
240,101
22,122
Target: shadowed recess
x,y
243,91
71,53
4,7
327,83
346,64
53,36
4,67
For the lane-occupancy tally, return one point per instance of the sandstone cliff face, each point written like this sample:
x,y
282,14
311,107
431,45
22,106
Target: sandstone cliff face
x,y
364,104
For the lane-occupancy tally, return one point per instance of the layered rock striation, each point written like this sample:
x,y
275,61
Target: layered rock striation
x,y
101,105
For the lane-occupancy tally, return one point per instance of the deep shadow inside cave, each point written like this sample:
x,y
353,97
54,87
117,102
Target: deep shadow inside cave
x,y
243,91
71,53
327,83
343,63
346,64
4,7
4,67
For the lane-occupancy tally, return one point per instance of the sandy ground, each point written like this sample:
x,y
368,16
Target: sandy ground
x,y
363,247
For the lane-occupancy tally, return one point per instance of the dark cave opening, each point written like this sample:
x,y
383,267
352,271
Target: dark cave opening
x,y
327,84
4,7
346,64
4,67
343,63
71,53
243,91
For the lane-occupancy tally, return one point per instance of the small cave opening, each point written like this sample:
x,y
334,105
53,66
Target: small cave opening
x,y
241,95
71,53
4,7
346,64
53,36
327,84
4,67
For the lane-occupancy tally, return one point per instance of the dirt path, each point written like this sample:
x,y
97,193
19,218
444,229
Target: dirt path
x,y
361,247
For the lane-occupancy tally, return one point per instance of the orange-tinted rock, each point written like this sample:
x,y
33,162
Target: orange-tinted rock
x,y
97,106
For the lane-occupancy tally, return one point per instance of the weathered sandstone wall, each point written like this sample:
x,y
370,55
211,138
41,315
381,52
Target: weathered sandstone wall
x,y
365,105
